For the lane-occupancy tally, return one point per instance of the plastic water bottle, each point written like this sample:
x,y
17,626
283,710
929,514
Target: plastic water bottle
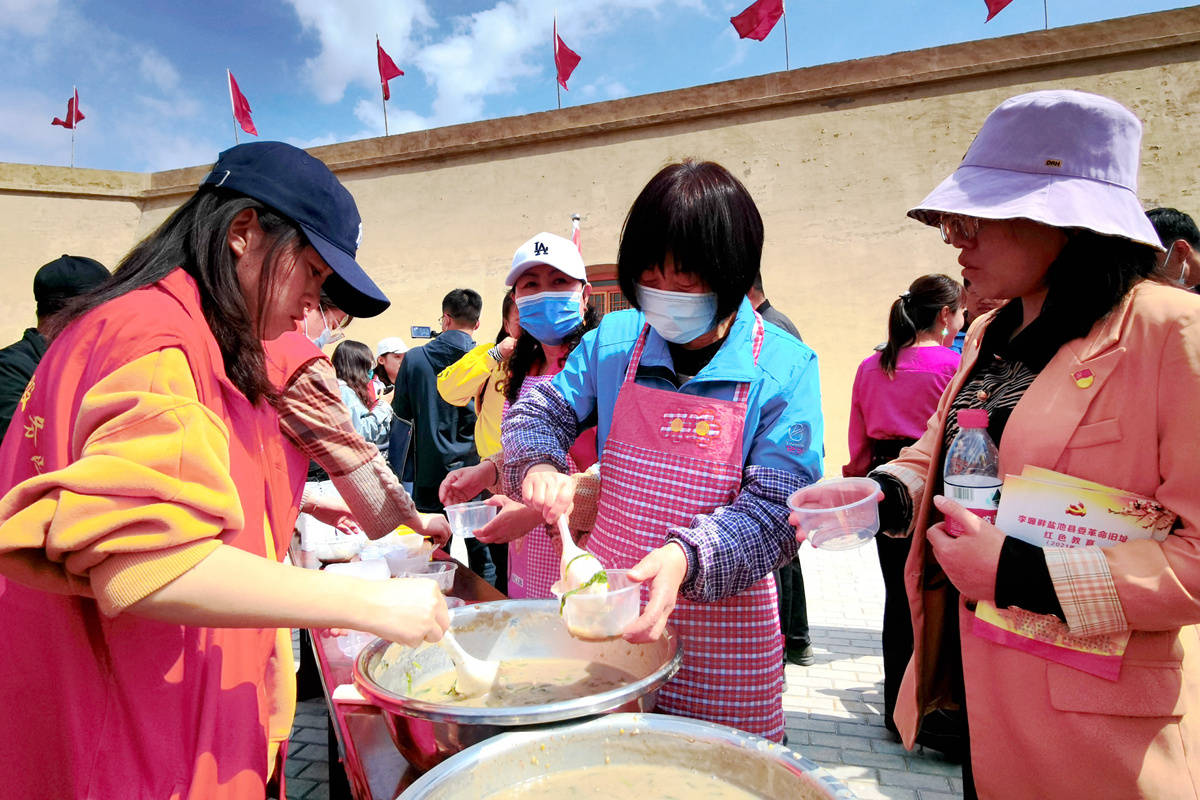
x,y
972,474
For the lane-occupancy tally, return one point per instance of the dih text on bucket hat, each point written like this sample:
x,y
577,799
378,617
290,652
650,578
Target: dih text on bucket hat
x,y
1060,157
549,249
304,190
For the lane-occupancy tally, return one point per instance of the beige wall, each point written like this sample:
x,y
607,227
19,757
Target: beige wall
x,y
833,155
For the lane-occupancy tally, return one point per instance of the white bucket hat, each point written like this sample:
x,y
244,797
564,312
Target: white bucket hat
x,y
550,249
390,344
1064,158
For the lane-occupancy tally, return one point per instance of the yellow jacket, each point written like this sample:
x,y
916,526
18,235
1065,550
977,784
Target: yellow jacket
x,y
477,376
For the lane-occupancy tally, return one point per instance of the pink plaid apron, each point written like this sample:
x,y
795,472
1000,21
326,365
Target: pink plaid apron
x,y
671,456
533,560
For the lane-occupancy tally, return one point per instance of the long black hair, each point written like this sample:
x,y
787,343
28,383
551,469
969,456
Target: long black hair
x,y
352,363
506,307
915,311
529,353
195,238
1089,277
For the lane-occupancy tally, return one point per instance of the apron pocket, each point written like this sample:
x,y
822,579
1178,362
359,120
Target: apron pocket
x,y
1142,691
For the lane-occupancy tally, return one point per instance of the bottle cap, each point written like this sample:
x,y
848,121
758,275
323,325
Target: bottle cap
x,y
972,418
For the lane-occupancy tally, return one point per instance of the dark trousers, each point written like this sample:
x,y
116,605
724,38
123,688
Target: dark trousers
x,y
897,621
793,610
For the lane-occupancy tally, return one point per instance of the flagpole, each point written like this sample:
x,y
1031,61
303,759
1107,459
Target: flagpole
x,y
232,107
557,86
787,60
74,121
382,99
1046,13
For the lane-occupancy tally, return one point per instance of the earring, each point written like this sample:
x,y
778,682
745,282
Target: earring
x,y
945,331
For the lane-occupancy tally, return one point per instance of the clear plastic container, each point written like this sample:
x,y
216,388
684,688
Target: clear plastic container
x,y
352,641
971,475
400,562
602,615
440,571
839,513
466,518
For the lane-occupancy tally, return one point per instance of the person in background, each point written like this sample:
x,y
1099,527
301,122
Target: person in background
x,y
1093,372
707,420
442,435
895,392
371,416
767,311
789,579
1180,264
53,285
974,308
481,376
141,527
389,355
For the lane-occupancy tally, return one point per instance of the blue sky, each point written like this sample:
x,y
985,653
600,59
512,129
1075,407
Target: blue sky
x,y
151,75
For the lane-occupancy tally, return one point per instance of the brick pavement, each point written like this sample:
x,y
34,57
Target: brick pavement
x,y
833,708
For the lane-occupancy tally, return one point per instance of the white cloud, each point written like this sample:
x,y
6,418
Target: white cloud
x,y
27,17
157,69
346,30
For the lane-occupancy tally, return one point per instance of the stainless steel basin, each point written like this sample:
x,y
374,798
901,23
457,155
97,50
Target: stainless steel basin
x,y
426,733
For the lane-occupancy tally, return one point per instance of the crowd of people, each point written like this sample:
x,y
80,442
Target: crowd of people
x,y
168,423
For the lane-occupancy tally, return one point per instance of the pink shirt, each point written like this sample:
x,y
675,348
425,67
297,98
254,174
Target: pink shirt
x,y
896,407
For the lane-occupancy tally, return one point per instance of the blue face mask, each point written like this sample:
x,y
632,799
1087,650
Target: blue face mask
x,y
678,317
551,317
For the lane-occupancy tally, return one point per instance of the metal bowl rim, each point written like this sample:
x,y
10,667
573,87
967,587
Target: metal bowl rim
x,y
465,760
516,715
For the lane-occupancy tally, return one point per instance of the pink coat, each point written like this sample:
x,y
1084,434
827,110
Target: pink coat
x,y
1043,730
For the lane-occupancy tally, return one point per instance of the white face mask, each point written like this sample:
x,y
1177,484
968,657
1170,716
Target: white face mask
x,y
326,336
678,317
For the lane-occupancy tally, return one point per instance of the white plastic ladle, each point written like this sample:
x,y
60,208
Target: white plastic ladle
x,y
475,676
578,566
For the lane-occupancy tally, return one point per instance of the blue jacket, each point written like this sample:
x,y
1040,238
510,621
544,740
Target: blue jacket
x,y
782,444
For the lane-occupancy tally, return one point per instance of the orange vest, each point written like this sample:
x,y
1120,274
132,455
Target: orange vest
x,y
131,707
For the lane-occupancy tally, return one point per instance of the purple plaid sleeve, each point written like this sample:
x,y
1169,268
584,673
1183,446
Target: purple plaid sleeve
x,y
539,429
742,542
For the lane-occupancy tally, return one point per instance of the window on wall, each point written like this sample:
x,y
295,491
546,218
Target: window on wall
x,y
606,292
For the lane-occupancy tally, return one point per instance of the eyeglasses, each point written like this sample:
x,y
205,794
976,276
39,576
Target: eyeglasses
x,y
341,324
957,227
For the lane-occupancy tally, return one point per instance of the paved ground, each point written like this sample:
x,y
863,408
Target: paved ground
x,y
833,707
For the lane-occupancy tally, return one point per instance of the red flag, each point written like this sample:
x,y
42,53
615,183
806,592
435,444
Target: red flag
x,y
387,69
995,7
576,236
759,18
241,106
73,113
565,59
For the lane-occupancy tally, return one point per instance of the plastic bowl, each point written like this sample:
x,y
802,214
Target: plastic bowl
x,y
596,617
400,562
838,514
440,571
466,518
339,548
352,641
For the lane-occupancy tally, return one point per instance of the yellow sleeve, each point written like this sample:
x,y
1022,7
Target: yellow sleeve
x,y
460,382
144,501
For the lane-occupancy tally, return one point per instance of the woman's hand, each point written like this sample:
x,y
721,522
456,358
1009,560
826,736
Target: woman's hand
x,y
507,346
404,610
548,491
970,561
332,511
434,527
665,569
466,483
512,521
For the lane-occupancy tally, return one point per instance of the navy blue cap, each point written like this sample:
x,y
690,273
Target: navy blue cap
x,y
303,189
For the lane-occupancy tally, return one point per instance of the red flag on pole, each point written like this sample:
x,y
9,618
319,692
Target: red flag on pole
x,y
241,106
73,113
387,69
757,20
565,59
995,7
576,236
